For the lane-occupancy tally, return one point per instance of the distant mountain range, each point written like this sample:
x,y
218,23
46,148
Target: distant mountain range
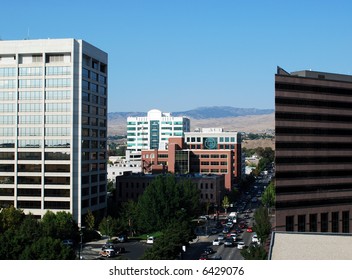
x,y
230,118
202,113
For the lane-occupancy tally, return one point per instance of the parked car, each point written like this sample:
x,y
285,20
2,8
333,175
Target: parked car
x,y
68,242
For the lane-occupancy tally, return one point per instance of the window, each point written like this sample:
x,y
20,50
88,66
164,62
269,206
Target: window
x,y
324,222
57,107
8,83
57,94
34,143
289,223
7,72
302,223
32,83
29,156
7,119
54,83
7,107
30,95
345,221
29,107
313,222
7,95
58,70
335,221
30,71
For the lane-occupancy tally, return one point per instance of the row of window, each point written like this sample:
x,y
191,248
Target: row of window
x,y
93,87
58,168
35,156
206,170
35,107
86,132
86,191
35,180
89,109
93,144
35,143
36,95
88,74
221,139
35,192
93,121
35,71
313,225
213,163
36,131
35,83
30,204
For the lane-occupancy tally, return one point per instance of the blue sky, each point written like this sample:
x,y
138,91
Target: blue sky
x,y
177,55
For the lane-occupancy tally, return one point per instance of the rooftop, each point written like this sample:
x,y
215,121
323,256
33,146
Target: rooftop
x,y
316,75
310,246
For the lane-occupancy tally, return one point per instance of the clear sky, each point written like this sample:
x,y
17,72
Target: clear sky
x,y
177,55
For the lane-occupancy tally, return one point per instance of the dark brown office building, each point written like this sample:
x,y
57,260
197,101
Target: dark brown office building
x,y
313,122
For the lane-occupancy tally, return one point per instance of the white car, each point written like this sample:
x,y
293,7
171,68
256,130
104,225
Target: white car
x,y
216,242
255,238
150,240
240,245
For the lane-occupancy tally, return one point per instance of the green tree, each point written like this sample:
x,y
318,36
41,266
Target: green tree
x,y
128,217
225,203
162,199
10,218
262,224
268,197
169,245
60,225
108,226
89,220
47,248
254,252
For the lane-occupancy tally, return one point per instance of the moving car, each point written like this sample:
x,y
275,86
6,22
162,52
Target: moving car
x,y
240,245
209,251
107,253
228,242
150,240
216,242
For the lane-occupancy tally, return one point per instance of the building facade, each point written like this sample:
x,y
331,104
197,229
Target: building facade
x,y
154,130
313,119
209,151
53,126
131,185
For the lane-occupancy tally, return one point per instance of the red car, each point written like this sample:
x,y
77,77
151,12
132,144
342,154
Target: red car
x,y
249,229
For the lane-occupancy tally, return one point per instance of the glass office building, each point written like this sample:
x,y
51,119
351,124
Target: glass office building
x,y
53,126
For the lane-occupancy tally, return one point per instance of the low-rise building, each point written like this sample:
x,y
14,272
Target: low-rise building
x,y
131,185
207,151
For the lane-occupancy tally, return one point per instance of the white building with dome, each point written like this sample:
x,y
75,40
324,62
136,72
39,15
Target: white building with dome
x,y
154,130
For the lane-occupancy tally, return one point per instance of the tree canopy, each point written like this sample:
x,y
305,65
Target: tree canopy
x,y
163,199
24,237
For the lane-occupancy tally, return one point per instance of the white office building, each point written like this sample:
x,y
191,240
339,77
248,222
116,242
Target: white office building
x,y
53,126
154,130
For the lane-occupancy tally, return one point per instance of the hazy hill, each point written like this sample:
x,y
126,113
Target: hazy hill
x,y
230,118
